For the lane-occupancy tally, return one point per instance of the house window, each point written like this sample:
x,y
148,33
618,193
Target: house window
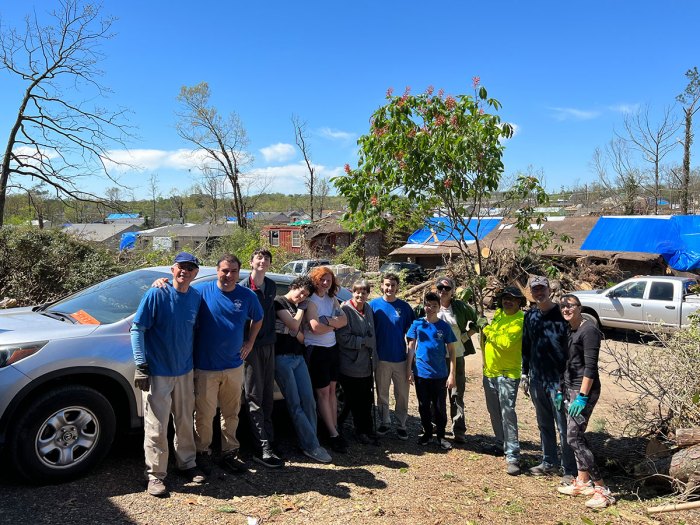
x,y
296,238
274,237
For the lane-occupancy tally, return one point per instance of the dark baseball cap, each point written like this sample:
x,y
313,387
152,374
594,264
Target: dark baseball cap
x,y
445,281
184,257
513,291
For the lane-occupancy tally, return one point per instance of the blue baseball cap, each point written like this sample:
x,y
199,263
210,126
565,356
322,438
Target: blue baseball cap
x,y
184,257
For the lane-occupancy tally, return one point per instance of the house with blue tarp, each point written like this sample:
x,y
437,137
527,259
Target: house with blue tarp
x,y
675,237
439,240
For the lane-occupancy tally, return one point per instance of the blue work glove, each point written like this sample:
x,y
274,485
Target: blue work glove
x,y
577,406
558,398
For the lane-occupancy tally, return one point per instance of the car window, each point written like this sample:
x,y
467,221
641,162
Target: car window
x,y
299,267
661,291
633,290
109,301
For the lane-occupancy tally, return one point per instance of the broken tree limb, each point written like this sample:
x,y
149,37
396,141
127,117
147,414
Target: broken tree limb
x,y
686,437
674,507
685,464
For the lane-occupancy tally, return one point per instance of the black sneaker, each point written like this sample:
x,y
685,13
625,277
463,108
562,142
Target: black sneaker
x,y
383,430
363,439
204,462
231,462
338,444
194,475
268,458
402,434
424,440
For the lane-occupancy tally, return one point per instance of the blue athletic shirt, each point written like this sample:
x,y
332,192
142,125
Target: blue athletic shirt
x,y
431,346
223,317
391,320
163,331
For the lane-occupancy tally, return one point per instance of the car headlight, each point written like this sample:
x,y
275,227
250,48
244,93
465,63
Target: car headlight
x,y
10,354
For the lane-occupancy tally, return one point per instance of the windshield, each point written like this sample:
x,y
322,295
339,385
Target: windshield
x,y
109,301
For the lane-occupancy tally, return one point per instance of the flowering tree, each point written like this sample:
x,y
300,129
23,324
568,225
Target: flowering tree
x,y
429,152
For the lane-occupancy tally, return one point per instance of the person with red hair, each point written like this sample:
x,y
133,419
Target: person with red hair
x,y
324,316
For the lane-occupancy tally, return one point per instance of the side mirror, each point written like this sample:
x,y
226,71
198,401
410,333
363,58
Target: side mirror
x,y
612,294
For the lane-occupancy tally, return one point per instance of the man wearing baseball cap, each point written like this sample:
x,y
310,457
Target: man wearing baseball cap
x,y
162,338
545,351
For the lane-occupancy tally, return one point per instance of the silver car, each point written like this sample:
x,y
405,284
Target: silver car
x,y
66,374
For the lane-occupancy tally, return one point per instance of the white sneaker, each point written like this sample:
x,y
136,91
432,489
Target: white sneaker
x,y
444,444
319,454
577,488
602,497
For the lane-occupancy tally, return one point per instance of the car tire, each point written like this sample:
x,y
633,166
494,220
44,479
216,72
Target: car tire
x,y
62,434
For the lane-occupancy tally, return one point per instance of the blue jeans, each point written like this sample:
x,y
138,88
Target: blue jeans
x,y
292,377
542,393
501,393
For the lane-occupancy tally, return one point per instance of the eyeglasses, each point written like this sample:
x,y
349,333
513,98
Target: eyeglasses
x,y
568,306
442,287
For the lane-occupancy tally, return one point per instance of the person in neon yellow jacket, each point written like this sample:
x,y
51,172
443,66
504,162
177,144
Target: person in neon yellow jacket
x,y
502,353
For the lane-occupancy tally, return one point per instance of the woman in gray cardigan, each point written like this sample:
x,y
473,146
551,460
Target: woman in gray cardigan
x,y
358,347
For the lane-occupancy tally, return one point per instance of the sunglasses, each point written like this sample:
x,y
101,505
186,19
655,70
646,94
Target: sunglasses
x,y
442,287
568,306
188,267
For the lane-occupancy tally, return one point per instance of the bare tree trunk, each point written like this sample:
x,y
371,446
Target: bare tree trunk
x,y
685,185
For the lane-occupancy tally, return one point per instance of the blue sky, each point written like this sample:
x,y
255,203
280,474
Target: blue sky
x,y
565,73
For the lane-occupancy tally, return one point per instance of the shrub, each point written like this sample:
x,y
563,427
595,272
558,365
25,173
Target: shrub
x,y
38,266
664,375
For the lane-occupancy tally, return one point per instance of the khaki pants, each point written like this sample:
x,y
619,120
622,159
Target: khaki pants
x,y
224,388
168,395
385,374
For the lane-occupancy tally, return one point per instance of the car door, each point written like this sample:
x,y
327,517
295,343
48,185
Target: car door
x,y
661,305
623,307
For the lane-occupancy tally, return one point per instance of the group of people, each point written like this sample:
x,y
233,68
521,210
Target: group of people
x,y
196,350
551,353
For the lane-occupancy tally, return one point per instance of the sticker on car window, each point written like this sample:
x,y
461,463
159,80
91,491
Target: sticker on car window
x,y
84,318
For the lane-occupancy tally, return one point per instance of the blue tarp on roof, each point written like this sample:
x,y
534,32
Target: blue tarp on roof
x,y
676,238
248,215
439,229
115,216
128,241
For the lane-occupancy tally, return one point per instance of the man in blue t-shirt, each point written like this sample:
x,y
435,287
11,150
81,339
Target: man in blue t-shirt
x,y
162,338
226,312
392,318
429,340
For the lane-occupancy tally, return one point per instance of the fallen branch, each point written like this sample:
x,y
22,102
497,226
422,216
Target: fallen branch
x,y
674,507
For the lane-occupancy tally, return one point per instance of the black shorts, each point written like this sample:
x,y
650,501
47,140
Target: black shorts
x,y
324,365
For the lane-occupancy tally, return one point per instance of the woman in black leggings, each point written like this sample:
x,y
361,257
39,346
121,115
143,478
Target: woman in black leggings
x,y
582,390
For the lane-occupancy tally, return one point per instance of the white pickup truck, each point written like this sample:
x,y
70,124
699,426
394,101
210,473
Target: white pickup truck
x,y
645,304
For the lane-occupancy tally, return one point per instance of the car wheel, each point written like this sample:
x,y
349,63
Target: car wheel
x,y
62,434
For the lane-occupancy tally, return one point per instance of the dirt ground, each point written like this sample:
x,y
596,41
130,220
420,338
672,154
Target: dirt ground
x,y
396,482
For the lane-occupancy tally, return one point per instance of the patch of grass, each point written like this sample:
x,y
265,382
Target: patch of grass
x,y
274,511
227,510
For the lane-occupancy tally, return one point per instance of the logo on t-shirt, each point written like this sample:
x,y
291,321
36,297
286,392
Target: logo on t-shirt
x,y
440,335
398,313
237,305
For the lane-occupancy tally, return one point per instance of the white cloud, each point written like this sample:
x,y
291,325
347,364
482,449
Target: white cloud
x,y
123,161
336,134
279,152
290,178
574,114
624,108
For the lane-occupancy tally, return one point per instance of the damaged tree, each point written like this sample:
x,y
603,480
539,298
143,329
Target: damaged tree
x,y
59,135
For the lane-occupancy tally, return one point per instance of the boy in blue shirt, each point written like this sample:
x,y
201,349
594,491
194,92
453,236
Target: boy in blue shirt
x,y
429,339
